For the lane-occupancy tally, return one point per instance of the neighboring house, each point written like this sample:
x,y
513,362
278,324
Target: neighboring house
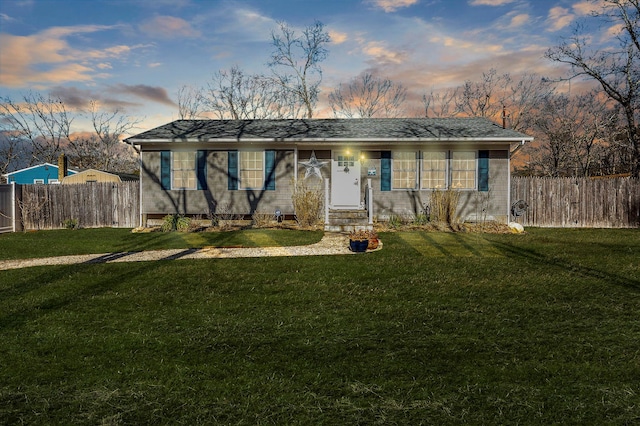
x,y
45,173
93,175
200,167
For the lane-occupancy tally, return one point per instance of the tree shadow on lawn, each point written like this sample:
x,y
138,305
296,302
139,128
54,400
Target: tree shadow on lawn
x,y
449,244
62,297
584,271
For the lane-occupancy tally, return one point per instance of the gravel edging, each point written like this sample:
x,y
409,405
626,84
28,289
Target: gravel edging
x,y
330,244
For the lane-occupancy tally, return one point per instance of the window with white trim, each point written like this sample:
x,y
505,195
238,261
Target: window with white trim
x,y
405,170
251,165
183,170
434,169
38,181
463,169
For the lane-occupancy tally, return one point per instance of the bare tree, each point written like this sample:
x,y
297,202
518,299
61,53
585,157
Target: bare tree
x,y
189,102
42,121
489,96
483,98
295,62
368,96
617,71
551,156
15,151
440,104
524,96
103,148
232,94
593,122
45,124
572,134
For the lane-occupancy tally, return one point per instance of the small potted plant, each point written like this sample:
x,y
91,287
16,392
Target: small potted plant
x,y
373,240
359,241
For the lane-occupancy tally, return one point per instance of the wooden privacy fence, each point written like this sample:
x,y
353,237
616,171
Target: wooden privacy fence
x,y
91,205
582,202
552,202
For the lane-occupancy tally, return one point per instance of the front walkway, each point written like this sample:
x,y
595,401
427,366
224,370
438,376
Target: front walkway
x,y
330,244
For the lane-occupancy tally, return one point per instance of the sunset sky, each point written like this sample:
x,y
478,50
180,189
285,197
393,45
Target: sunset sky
x,y
135,54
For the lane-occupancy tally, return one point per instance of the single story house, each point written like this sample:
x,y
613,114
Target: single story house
x,y
93,175
385,166
45,173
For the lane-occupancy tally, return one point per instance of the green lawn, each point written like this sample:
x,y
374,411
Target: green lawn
x,y
107,240
436,328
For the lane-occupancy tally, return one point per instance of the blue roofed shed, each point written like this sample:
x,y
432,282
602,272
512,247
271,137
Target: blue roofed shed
x,y
45,173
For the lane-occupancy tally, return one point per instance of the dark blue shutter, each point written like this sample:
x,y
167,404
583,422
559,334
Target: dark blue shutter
x,y
165,169
201,169
232,170
385,171
483,170
270,170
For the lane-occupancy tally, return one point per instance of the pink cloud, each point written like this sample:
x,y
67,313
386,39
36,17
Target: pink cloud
x,y
490,2
337,37
168,27
587,7
559,18
27,53
519,20
381,54
393,5
47,58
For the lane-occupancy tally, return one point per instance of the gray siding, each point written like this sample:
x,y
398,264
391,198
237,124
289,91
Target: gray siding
x,y
217,198
472,206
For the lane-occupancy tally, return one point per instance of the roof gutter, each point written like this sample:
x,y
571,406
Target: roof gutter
x,y
337,141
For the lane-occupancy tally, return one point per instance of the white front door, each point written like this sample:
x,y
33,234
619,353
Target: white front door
x,y
345,181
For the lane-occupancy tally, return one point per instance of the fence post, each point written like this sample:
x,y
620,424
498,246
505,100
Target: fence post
x,y
13,206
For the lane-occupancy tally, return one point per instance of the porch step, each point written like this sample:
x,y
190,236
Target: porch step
x,y
347,221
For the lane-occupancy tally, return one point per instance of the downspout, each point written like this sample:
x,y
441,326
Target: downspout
x,y
295,163
139,151
509,191
141,216
326,202
295,176
516,149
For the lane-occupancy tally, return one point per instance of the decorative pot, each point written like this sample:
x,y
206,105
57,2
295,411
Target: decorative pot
x,y
373,244
358,246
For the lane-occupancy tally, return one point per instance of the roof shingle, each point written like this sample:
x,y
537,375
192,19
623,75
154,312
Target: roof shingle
x,y
329,129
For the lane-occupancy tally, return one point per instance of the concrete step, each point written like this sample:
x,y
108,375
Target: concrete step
x,y
349,214
347,228
343,221
348,220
